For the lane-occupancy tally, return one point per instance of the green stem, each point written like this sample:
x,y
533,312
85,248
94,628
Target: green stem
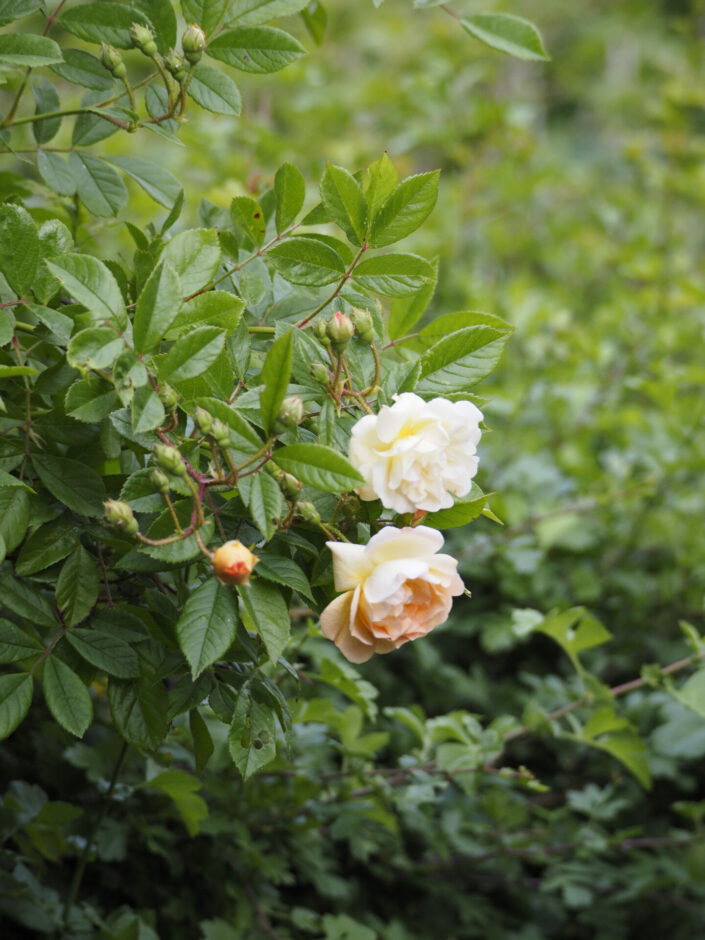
x,y
8,120
340,285
31,118
83,860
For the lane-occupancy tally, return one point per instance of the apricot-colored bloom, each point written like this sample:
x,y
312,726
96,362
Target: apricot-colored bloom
x,y
233,563
417,455
396,589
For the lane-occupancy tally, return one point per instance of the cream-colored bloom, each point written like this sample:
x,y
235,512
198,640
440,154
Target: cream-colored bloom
x,y
416,454
396,589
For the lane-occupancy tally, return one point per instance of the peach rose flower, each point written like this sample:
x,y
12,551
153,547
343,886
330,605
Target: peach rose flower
x,y
396,589
416,454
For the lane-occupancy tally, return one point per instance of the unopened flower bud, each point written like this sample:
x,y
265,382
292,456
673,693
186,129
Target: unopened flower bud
x,y
169,459
111,60
290,415
340,331
308,512
143,39
119,515
362,321
233,563
220,433
320,329
168,397
288,484
319,373
159,480
193,42
175,64
203,420
351,507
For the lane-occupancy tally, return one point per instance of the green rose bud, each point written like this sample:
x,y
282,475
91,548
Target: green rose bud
x,y
351,507
308,512
193,42
143,39
320,329
169,459
220,433
175,64
159,480
319,373
362,321
203,420
290,415
340,331
111,60
168,397
118,514
289,485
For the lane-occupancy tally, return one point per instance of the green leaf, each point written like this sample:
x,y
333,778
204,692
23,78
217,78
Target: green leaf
x,y
105,651
47,100
14,516
284,571
394,275
72,482
464,510
319,466
99,187
95,348
162,16
268,615
307,261
207,625
507,33
91,399
256,12
248,219
407,207
213,90
461,360
258,49
378,181
157,307
244,435
262,496
67,697
203,745
25,600
692,693
154,179
10,372
15,699
8,481
315,19
15,644
179,786
147,410
77,586
103,22
195,255
48,544
28,51
452,322
213,308
55,172
290,193
405,312
574,630
82,68
191,355
342,196
275,378
15,9
19,247
204,13
139,710
252,737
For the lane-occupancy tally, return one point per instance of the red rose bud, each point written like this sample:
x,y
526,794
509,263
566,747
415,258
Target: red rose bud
x,y
169,459
111,60
193,42
233,563
290,415
175,64
362,321
119,515
143,39
159,480
340,331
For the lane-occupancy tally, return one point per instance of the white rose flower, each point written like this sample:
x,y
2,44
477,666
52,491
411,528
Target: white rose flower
x,y
416,454
396,589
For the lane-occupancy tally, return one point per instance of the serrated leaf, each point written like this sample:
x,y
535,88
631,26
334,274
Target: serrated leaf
x,y
179,786
343,198
77,586
105,651
262,496
259,49
256,12
213,90
47,100
15,644
290,193
67,697
162,16
462,511
203,745
378,181
394,274
191,355
284,571
157,307
55,172
15,9
95,348
82,68
14,516
46,545
99,187
147,410
103,22
407,207
91,399
19,246
139,710
213,308
93,285
207,625
275,378
510,34
319,466
73,483
15,699
28,50
268,615
26,600
248,218
405,312
154,179
252,737
307,261
195,256
461,360
204,13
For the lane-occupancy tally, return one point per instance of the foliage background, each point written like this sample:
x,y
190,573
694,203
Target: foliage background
x,y
571,204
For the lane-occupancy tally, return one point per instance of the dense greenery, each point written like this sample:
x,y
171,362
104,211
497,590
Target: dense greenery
x,y
185,759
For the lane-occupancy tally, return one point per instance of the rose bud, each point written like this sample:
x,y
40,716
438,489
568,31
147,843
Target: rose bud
x,y
320,328
220,433
288,484
193,42
159,480
203,420
175,64
339,331
111,59
119,515
308,512
290,415
233,563
168,397
143,39
362,321
169,459
319,373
